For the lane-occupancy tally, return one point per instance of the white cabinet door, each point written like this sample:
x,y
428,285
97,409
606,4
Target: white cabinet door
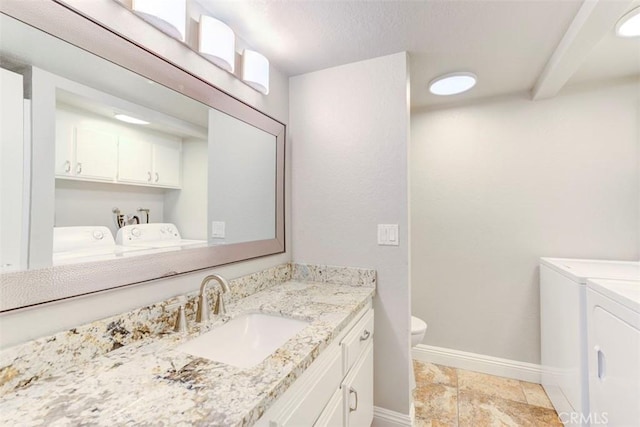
x,y
333,414
357,391
166,164
134,161
64,145
96,154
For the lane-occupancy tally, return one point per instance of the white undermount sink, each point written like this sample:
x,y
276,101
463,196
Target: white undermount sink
x,y
245,340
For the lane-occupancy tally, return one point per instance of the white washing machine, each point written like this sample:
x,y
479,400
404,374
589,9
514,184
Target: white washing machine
x,y
155,236
563,328
613,325
77,244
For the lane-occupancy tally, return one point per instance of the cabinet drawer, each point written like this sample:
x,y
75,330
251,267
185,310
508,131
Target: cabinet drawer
x,y
355,341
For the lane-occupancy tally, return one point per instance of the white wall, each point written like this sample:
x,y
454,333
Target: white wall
x,y
186,208
495,186
349,132
23,325
242,179
92,203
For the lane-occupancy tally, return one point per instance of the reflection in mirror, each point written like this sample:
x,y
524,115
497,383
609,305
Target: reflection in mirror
x,y
121,166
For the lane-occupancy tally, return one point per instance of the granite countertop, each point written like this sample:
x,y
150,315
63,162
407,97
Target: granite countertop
x,y
149,382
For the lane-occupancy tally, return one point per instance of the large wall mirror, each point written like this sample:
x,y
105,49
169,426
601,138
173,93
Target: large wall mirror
x,y
118,167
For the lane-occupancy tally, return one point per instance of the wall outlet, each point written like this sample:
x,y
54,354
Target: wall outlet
x,y
388,234
218,229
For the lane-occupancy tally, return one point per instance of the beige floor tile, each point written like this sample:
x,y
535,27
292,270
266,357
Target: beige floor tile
x,y
481,410
429,373
535,395
543,417
436,404
505,388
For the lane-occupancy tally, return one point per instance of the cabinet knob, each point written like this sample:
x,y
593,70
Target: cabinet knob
x,y
67,166
157,177
149,176
365,335
354,392
79,168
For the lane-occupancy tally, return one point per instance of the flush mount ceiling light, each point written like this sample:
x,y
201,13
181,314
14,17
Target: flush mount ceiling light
x,y
169,16
129,119
217,43
452,84
255,71
629,24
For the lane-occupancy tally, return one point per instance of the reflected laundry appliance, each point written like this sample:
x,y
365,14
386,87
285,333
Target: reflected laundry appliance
x,y
86,244
155,236
563,328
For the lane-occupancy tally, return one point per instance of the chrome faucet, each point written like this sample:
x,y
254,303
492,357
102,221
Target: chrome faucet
x,y
203,305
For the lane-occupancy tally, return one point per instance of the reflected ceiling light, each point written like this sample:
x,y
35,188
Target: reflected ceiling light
x,y
255,71
129,119
217,43
629,24
452,84
169,16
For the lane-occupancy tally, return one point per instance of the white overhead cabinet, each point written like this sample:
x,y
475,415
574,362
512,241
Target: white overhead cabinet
x,y
85,154
134,161
152,163
166,163
89,154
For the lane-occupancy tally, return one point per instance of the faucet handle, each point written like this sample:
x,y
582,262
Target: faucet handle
x,y
220,307
181,321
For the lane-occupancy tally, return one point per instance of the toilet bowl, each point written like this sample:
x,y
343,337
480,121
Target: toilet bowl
x,y
418,329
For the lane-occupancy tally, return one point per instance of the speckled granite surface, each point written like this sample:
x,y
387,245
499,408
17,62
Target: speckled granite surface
x,y
333,274
148,382
22,365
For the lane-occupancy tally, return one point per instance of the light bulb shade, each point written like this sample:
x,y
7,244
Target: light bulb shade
x,y
629,24
255,71
452,84
217,43
169,16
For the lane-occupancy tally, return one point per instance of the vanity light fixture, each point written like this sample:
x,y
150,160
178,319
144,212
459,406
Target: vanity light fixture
x,y
217,42
452,83
129,119
169,16
255,71
629,24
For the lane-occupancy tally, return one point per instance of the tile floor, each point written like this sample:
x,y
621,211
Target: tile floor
x,y
454,397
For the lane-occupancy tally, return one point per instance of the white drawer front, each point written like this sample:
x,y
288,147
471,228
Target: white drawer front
x,y
354,343
333,413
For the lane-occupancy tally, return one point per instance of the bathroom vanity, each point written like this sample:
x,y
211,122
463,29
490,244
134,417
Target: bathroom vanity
x,y
323,375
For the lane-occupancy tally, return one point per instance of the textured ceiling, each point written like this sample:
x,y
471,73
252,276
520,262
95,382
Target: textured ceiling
x,y
506,43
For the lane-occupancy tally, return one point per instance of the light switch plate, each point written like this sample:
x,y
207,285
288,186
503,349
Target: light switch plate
x,y
218,229
388,234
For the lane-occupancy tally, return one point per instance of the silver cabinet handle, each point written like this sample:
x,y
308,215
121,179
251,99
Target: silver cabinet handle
x,y
353,391
157,177
67,166
365,335
149,176
79,168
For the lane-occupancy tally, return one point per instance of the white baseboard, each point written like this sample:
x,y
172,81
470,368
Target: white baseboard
x,y
478,362
385,418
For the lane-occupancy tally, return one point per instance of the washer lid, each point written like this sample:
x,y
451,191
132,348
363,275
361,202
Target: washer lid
x,y
625,292
579,270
